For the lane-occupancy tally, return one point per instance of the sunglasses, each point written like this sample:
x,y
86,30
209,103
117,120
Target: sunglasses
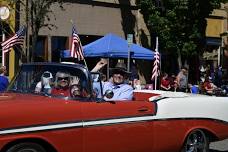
x,y
63,78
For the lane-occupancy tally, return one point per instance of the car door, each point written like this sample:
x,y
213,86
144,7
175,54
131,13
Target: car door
x,y
120,126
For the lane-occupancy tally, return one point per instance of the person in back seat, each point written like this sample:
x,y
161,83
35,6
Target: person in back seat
x,y
45,84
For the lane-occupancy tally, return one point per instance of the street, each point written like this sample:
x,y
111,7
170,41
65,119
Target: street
x,y
221,146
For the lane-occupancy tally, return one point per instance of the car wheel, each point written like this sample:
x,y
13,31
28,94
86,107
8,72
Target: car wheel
x,y
26,147
196,141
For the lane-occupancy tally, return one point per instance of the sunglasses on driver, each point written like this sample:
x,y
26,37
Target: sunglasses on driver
x,y
63,78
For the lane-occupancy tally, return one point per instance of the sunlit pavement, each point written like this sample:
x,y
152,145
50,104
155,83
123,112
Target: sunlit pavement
x,y
221,146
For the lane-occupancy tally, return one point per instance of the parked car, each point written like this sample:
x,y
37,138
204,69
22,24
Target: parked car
x,y
154,121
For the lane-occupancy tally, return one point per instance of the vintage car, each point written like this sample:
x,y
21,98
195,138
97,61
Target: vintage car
x,y
154,121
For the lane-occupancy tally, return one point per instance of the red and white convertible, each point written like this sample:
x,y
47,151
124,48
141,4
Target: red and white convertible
x,y
152,122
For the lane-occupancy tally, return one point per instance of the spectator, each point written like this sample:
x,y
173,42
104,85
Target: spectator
x,y
121,90
137,84
165,82
182,79
208,70
3,79
4,82
208,86
173,82
218,76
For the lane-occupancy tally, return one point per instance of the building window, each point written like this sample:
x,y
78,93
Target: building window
x,y
40,49
59,43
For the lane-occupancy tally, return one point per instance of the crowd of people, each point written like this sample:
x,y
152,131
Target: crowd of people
x,y
210,82
175,83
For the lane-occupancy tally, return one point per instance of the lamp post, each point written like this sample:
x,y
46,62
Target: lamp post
x,y
4,15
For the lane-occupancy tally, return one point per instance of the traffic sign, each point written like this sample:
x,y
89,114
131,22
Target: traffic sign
x,y
129,39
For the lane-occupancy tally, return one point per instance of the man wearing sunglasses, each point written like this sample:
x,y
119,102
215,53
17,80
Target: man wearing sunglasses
x,y
62,82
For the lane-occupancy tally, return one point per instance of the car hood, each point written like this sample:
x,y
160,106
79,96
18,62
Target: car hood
x,y
28,110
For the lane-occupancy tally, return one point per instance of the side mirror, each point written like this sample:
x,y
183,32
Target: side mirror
x,y
109,94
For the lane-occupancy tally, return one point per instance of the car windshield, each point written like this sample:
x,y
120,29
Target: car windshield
x,y
38,78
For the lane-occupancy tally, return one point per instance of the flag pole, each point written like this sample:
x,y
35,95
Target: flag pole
x,y
155,84
155,71
156,76
82,47
3,52
85,63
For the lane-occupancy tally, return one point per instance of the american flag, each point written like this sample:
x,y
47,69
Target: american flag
x,y
17,39
76,46
156,72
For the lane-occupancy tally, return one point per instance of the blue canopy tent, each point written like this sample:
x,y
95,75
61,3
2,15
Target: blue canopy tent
x,y
113,46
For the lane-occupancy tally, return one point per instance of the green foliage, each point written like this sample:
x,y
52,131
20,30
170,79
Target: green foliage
x,y
37,12
179,24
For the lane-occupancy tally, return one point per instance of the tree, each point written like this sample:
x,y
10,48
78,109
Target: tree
x,y
179,24
37,12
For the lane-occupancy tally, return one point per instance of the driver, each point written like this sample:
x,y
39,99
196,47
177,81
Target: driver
x,y
62,82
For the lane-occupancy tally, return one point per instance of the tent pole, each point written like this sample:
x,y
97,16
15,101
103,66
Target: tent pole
x,y
108,70
128,59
